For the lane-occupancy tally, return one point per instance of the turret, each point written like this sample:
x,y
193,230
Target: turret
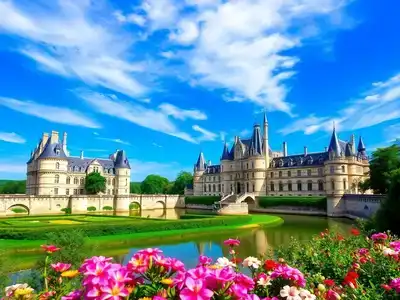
x,y
256,142
361,149
265,141
353,144
198,169
225,152
334,146
122,173
201,163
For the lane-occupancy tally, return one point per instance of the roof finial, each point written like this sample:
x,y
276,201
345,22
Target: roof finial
x,y
334,125
265,116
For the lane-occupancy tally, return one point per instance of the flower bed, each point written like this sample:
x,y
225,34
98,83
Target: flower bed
x,y
357,267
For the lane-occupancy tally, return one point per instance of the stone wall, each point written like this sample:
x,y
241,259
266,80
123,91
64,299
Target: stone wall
x,y
40,205
353,205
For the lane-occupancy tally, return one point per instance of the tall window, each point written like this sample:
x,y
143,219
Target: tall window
x,y
319,171
67,192
254,188
309,186
82,181
272,187
57,179
247,187
344,184
289,173
308,172
219,187
289,186
280,186
76,180
320,185
209,187
299,173
280,173
213,187
333,185
272,174
343,169
57,165
205,188
68,180
109,181
55,191
299,185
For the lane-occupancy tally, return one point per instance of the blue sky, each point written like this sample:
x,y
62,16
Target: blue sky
x,y
164,79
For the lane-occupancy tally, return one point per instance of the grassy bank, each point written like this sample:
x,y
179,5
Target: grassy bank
x,y
295,201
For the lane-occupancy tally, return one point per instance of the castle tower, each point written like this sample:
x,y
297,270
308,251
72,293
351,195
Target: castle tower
x,y
265,142
361,150
225,159
198,171
122,173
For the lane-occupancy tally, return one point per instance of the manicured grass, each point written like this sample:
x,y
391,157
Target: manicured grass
x,y
299,201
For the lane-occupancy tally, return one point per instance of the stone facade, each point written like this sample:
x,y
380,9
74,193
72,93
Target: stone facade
x,y
250,166
52,171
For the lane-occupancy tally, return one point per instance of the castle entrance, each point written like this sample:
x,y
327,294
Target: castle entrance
x,y
238,190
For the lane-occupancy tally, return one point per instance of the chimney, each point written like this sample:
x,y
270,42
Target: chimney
x,y
45,138
81,156
305,150
284,149
54,137
209,163
326,149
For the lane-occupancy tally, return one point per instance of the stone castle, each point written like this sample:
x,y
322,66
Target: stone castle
x,y
251,167
51,171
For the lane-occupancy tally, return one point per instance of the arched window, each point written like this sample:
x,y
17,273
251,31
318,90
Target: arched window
x,y
57,166
209,187
309,185
113,181
213,187
82,181
272,174
343,169
254,188
57,179
219,187
280,186
68,180
299,185
299,173
76,180
205,188
320,185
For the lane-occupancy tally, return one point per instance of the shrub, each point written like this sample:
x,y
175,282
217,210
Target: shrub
x,y
91,208
134,206
19,210
66,210
205,200
107,208
297,201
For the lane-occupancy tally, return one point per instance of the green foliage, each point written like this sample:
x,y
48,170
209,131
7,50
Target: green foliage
x,y
107,208
66,210
181,181
154,184
121,225
18,210
12,186
384,162
134,206
95,183
4,275
297,201
205,200
91,208
387,217
135,188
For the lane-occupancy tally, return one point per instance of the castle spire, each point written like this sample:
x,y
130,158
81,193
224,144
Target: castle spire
x,y
334,145
256,141
225,152
361,147
201,162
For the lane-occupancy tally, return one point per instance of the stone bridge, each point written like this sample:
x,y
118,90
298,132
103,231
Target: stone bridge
x,y
40,205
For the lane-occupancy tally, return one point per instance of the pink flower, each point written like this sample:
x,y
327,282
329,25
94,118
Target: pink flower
x,y
379,236
114,290
217,278
176,265
74,295
139,263
238,291
60,267
232,242
93,260
50,248
289,273
179,280
195,290
120,275
244,281
204,260
159,298
150,252
395,245
395,284
93,292
363,251
97,273
198,273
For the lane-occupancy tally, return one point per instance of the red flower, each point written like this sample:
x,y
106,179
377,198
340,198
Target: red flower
x,y
355,231
350,279
270,265
50,248
386,287
340,237
236,260
329,282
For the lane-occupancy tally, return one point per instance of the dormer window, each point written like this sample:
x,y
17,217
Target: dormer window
x,y
290,162
281,163
310,160
320,159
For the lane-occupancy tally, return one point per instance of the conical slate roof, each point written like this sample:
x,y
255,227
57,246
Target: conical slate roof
x,y
334,145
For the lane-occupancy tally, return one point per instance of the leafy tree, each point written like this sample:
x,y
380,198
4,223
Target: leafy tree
x,y
135,188
95,183
13,187
387,217
384,161
154,184
181,181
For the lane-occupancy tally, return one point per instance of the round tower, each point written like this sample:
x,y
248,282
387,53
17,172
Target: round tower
x,y
198,171
122,173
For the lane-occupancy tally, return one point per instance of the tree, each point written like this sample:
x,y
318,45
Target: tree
x,y
154,184
384,161
181,181
13,187
135,188
95,183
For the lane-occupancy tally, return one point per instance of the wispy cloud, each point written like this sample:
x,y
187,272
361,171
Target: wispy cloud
x,y
181,114
11,137
118,141
157,145
50,113
377,105
206,134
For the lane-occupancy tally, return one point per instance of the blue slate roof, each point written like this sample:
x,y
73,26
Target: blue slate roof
x,y
256,142
77,164
54,150
334,145
225,153
213,169
300,160
201,163
121,161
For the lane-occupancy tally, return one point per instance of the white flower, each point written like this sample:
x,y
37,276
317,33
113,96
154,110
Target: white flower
x,y
224,262
389,252
306,295
252,262
9,291
264,281
291,293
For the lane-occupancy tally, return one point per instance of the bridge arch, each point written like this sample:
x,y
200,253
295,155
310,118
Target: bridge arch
x,y
250,200
19,205
135,205
159,205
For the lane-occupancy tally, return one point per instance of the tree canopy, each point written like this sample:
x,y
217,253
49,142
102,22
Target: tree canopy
x,y
154,184
135,188
384,162
95,183
13,187
181,181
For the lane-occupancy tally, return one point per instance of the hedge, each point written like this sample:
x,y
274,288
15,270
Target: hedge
x,y
91,208
110,228
107,208
299,201
205,200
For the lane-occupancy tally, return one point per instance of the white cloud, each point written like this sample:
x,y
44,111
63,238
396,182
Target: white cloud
x,y
379,104
68,39
11,137
157,145
206,134
181,114
95,133
130,18
186,33
140,169
161,13
155,119
50,113
118,141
